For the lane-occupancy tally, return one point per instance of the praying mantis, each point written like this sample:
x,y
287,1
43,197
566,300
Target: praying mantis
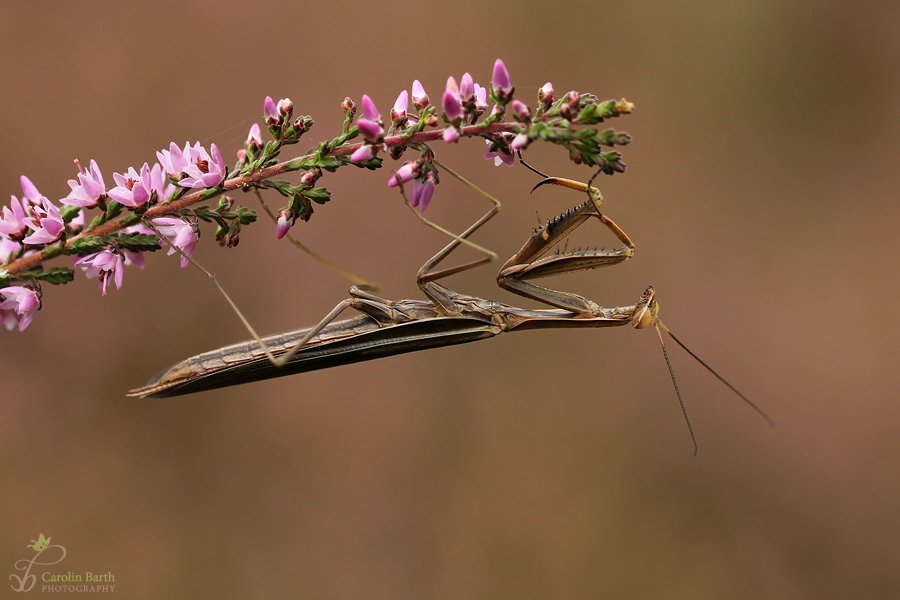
x,y
387,328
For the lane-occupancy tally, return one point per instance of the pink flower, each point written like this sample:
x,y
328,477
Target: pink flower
x,y
48,226
173,160
181,234
88,189
203,170
19,305
76,223
398,113
419,97
160,182
500,80
404,174
132,189
422,192
12,222
105,264
8,248
499,156
363,153
369,110
29,191
131,257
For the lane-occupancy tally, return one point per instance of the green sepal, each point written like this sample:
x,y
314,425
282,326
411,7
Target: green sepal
x,y
129,220
209,193
68,212
113,209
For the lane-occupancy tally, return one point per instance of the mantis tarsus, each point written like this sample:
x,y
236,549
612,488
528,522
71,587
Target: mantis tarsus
x,y
388,328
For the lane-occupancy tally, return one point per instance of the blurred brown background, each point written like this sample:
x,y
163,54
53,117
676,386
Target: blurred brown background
x,y
761,193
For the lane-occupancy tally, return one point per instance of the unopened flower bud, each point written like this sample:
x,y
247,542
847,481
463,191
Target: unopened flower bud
x,y
363,153
286,219
467,89
500,81
451,106
404,173
545,96
285,108
270,113
451,134
520,141
398,112
308,178
234,235
348,107
480,99
521,112
419,97
370,130
369,110
303,124
546,92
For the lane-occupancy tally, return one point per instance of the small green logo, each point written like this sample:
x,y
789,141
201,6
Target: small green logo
x,y
40,544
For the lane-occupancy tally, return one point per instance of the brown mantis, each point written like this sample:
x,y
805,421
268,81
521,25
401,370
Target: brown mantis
x,y
387,328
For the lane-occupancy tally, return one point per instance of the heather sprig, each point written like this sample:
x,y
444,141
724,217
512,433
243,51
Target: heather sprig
x,y
155,205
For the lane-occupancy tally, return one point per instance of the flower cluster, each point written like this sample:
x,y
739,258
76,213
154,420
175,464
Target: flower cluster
x,y
35,223
154,205
461,105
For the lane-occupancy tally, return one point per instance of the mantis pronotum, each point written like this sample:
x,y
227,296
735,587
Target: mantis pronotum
x,y
388,328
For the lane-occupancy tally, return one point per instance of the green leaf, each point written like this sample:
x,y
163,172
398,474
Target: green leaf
x,y
86,245
318,195
136,242
54,275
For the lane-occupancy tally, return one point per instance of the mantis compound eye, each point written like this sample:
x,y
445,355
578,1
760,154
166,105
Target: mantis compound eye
x,y
642,317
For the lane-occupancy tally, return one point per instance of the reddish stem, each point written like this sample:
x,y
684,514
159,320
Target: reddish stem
x,y
242,182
